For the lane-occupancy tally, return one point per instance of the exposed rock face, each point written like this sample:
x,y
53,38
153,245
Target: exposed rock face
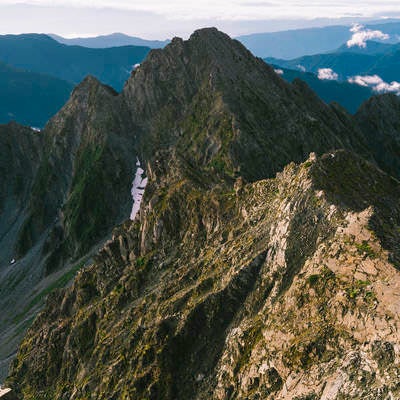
x,y
280,290
20,158
62,190
223,108
83,167
236,282
7,394
20,149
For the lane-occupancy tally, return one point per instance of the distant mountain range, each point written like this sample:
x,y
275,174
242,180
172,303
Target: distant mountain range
x,y
41,53
37,74
349,96
264,262
371,48
112,40
296,43
376,59
30,98
283,44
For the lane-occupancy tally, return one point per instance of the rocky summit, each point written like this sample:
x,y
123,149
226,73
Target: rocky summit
x,y
264,262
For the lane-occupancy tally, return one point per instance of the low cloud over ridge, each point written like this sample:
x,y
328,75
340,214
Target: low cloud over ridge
x,y
376,83
327,74
361,35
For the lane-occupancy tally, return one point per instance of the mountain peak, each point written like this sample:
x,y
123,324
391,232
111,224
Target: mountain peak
x,y
209,32
230,285
211,99
204,47
89,83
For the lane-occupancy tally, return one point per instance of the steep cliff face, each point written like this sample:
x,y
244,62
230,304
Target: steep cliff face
x,y
21,150
83,168
235,282
282,288
379,119
21,153
223,108
62,191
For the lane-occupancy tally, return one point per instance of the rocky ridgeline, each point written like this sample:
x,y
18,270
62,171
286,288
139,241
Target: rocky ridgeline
x,y
277,289
246,275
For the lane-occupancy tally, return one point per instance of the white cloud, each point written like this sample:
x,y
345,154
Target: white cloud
x,y
327,74
384,87
376,83
361,35
233,10
160,19
366,80
302,68
279,71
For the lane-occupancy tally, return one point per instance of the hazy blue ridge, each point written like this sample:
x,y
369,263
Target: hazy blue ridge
x,y
112,40
41,53
29,97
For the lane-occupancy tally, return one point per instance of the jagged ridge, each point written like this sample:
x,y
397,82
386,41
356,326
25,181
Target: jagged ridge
x,y
200,113
236,294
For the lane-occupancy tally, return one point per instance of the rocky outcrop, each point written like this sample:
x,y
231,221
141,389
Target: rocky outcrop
x,y
245,275
7,394
280,289
86,148
226,110
63,191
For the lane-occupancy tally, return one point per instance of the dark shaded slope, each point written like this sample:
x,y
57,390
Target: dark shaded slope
x,y
199,114
88,157
21,150
379,118
21,153
79,188
223,108
30,98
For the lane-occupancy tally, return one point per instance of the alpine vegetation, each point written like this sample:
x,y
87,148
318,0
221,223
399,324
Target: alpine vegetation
x,y
265,264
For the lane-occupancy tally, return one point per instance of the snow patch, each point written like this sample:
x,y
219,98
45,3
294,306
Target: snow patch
x,y
327,74
361,35
138,186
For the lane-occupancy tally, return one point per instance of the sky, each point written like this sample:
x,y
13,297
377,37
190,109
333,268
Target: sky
x,y
160,19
